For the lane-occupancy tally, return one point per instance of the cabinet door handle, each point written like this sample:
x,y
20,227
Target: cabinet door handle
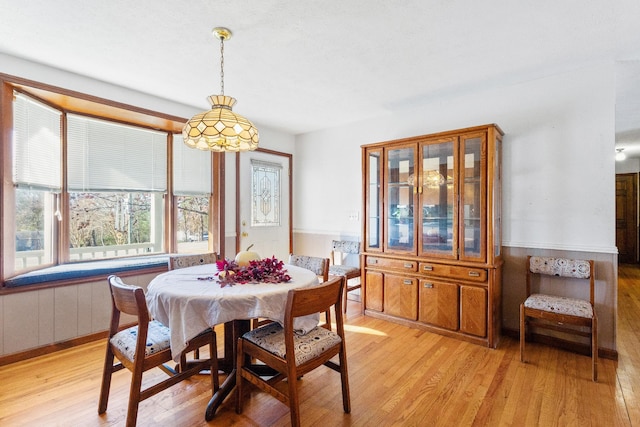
x,y
428,285
408,265
372,261
428,268
407,282
474,274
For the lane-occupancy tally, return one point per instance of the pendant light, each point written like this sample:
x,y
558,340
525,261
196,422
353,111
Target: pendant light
x,y
220,129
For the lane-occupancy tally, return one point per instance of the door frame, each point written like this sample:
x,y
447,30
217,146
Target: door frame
x,y
633,179
289,158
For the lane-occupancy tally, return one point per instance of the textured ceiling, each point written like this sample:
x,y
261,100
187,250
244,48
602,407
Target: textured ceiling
x,y
301,66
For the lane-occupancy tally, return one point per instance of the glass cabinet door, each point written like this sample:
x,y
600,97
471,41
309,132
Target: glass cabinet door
x,y
496,222
400,175
373,171
438,232
472,198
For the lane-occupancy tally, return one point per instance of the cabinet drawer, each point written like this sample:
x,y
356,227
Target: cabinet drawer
x,y
454,271
392,264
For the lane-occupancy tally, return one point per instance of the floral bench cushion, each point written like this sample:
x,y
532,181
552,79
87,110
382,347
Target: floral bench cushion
x,y
564,267
306,347
157,340
560,305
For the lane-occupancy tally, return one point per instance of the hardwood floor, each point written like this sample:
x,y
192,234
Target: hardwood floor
x,y
398,376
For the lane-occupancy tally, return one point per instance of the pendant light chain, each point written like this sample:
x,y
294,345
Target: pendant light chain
x,y
222,65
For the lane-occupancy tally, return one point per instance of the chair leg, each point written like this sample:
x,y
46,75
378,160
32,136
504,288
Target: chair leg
x,y
344,377
294,401
522,332
594,348
344,296
134,397
106,380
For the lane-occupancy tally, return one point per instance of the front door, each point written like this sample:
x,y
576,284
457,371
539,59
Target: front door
x,y
626,218
264,200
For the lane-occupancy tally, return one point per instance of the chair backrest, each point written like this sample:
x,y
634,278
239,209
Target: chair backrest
x,y
561,267
316,299
189,260
127,299
130,300
343,247
320,266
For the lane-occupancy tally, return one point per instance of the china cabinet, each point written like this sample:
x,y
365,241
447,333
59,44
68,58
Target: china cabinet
x,y
432,255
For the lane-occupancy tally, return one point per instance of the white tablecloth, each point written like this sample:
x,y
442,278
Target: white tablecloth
x,y
188,306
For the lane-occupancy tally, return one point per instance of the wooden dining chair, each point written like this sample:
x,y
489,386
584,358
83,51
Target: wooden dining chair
x,y
340,250
293,355
320,266
559,313
189,260
146,346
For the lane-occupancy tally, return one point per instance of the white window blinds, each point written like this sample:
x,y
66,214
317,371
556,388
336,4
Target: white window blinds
x,y
106,156
37,142
191,170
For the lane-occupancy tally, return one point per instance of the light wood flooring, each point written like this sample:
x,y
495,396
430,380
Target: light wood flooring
x,y
398,377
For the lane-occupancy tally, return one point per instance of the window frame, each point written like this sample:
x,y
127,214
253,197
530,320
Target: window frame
x,y
68,101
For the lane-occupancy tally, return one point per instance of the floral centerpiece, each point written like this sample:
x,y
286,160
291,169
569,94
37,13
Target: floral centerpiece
x,y
267,270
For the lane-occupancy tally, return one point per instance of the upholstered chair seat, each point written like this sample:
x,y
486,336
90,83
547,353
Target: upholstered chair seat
x,y
560,305
158,337
306,347
344,270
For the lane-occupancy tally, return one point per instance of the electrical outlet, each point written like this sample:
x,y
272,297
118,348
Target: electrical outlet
x,y
354,216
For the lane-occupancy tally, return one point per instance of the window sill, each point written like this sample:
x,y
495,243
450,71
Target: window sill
x,y
74,272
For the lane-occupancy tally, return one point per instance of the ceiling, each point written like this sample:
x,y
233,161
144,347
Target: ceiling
x,y
300,66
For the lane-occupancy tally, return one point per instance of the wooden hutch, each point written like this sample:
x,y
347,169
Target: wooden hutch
x,y
431,252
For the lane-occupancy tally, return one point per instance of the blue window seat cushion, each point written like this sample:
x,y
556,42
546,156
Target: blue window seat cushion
x,y
87,269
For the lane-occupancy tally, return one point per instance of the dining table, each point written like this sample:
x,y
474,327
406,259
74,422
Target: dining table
x,y
190,300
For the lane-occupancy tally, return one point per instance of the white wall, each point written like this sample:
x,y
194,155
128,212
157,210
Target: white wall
x,y
558,161
628,166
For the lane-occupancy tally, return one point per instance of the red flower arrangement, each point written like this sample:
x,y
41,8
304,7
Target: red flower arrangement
x,y
267,270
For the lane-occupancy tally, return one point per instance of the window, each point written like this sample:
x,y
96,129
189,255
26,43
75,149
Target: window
x,y
265,194
37,181
87,187
192,180
116,178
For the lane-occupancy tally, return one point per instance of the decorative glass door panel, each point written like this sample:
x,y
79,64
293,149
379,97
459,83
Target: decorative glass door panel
x,y
374,199
399,207
438,233
472,198
497,199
